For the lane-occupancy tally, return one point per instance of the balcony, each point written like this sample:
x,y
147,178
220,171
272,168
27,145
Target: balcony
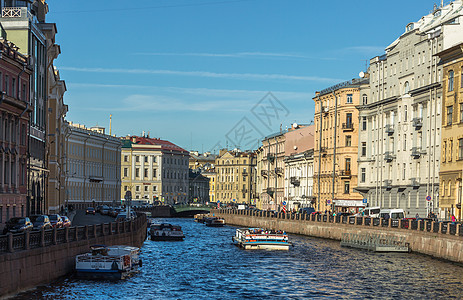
x,y
348,126
389,129
270,191
345,173
271,157
264,173
389,156
323,151
417,123
279,171
295,181
415,182
416,152
16,12
388,184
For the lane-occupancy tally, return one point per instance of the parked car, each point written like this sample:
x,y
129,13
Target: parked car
x,y
306,210
115,211
90,210
66,221
18,224
55,221
104,210
40,222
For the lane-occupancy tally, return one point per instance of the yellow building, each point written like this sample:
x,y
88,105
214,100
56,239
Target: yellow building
x,y
235,179
335,159
212,175
451,168
271,166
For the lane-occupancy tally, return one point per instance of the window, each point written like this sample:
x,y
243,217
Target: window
x,y
145,174
461,112
126,172
349,98
349,119
154,173
406,87
13,83
460,149
348,141
364,123
125,188
137,188
364,149
137,172
146,159
451,149
137,158
444,151
6,85
404,171
449,114
450,82
405,113
364,99
348,163
405,142
363,174
146,188
346,187
461,78
126,158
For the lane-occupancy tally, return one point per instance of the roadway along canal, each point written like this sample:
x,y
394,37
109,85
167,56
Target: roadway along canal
x,y
207,266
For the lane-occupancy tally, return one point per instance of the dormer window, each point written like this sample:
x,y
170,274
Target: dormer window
x,y
410,27
437,13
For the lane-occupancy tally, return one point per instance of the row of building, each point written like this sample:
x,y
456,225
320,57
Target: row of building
x,y
391,138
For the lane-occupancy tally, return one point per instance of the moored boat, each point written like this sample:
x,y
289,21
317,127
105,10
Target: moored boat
x,y
214,222
200,218
112,262
259,238
166,232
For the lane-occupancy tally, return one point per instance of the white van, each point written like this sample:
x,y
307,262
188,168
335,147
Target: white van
x,y
393,213
372,212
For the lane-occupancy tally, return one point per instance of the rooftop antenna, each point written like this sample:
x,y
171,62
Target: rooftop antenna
x,y
110,120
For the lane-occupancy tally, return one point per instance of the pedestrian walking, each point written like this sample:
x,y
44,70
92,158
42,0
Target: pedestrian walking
x,y
453,219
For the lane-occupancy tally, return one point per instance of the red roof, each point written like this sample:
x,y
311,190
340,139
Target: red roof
x,y
165,145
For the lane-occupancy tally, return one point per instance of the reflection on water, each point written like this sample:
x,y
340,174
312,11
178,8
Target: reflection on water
x,y
207,266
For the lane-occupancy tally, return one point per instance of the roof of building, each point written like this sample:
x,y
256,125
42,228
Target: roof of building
x,y
356,82
140,140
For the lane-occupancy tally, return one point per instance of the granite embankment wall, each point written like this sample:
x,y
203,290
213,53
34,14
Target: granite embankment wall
x,y
436,239
34,258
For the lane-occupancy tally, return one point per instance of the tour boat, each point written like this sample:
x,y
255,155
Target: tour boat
x,y
259,238
166,232
214,222
112,262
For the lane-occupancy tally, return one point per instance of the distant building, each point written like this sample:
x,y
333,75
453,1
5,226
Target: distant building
x,y
236,175
212,176
92,172
451,168
299,144
203,161
154,170
336,146
271,165
14,121
198,187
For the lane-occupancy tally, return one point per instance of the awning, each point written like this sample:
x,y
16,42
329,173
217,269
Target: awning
x,y
349,203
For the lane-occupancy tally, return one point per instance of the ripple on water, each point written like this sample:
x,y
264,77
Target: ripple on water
x,y
207,266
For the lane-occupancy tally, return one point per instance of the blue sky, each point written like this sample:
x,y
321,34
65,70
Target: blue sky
x,y
199,73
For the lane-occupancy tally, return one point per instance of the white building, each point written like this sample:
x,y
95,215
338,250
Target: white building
x,y
299,180
400,123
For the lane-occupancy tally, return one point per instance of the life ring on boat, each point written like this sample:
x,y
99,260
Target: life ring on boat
x,y
126,260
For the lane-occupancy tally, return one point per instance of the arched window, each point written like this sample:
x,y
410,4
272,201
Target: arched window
x,y
406,87
450,83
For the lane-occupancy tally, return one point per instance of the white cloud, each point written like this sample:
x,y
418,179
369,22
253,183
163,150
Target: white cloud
x,y
239,76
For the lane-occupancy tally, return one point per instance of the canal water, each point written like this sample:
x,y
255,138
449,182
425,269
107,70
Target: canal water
x,y
208,266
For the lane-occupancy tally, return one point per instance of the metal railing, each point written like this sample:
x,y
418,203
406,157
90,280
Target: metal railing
x,y
44,238
432,227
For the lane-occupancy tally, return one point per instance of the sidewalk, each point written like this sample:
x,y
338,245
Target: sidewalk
x,y
72,214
